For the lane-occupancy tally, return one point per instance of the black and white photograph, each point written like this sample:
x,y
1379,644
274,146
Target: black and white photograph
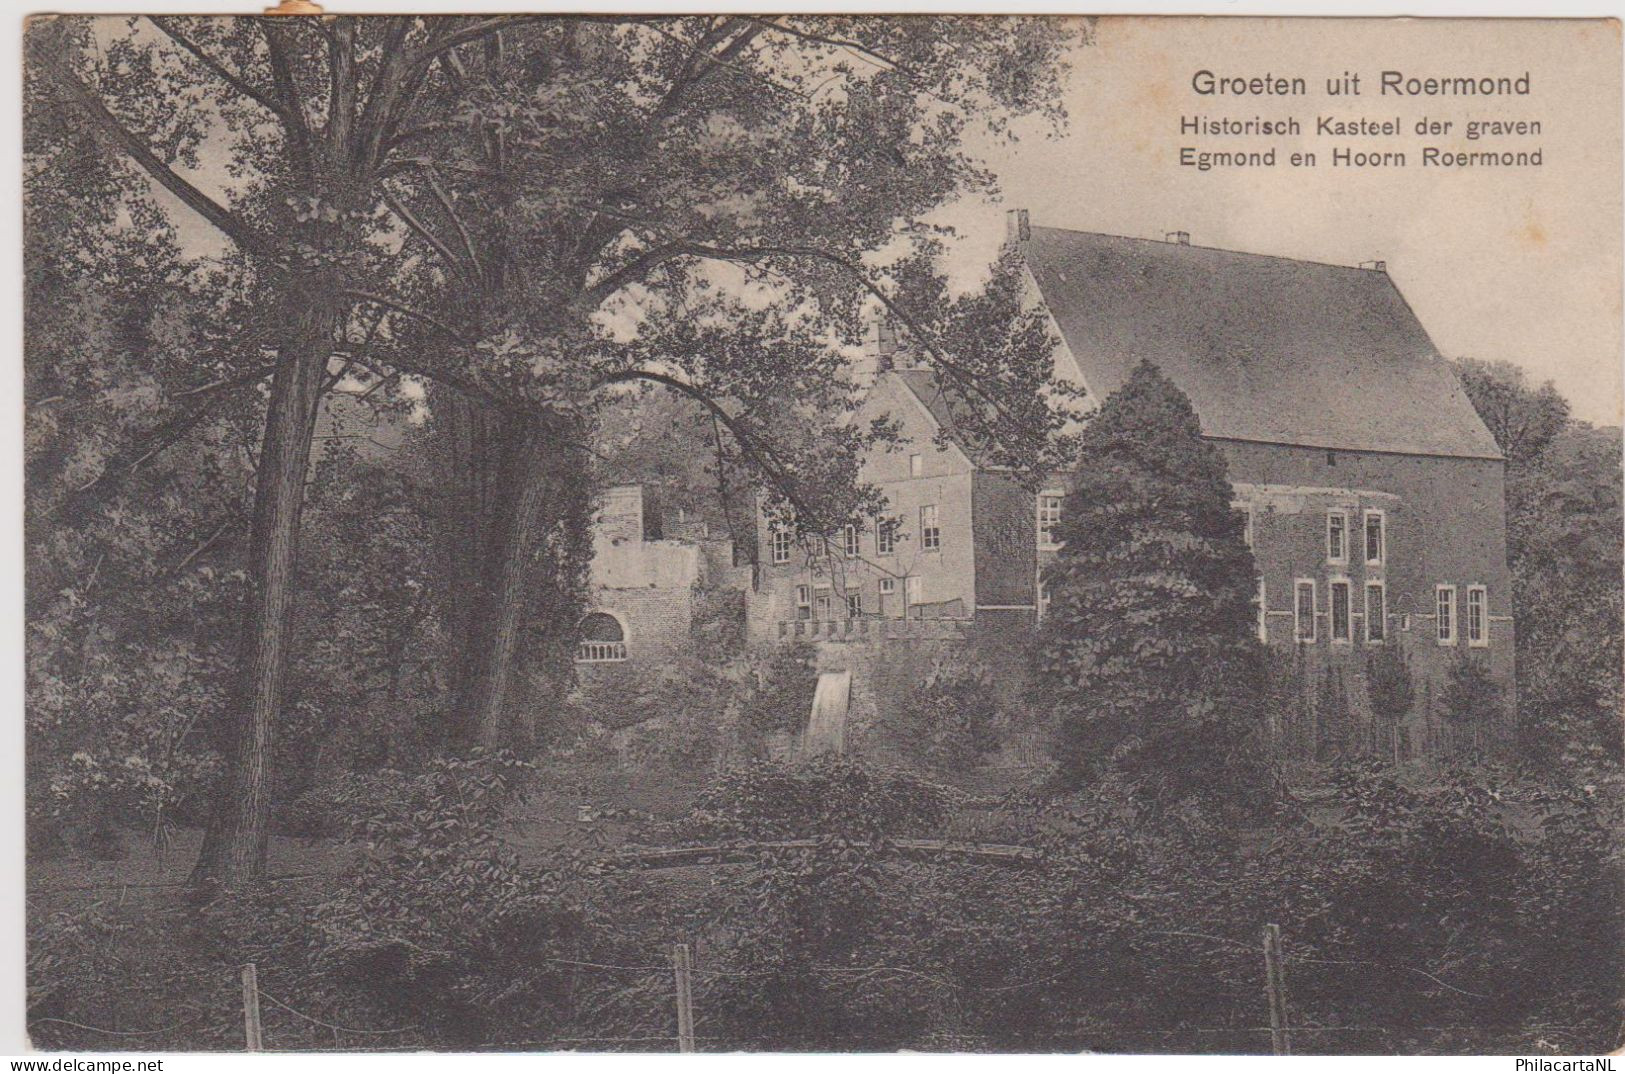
x,y
820,533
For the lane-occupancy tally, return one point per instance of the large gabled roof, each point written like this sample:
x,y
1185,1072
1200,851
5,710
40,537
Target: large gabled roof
x,y
1267,348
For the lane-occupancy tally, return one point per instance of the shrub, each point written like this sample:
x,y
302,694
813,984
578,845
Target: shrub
x,y
950,720
828,796
1335,739
786,682
437,926
1471,702
1391,692
94,796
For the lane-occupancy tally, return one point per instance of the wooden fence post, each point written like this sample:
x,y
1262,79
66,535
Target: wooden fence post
x,y
1275,985
251,1009
685,998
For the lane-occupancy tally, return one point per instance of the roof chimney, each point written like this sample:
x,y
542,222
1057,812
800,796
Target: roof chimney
x,y
880,341
1183,238
1375,266
1016,227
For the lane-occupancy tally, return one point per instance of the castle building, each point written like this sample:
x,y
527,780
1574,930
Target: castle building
x,y
1373,492
647,578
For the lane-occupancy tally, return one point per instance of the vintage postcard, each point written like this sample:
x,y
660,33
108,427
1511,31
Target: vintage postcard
x,y
834,533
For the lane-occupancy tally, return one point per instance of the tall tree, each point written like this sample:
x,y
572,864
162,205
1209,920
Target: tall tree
x,y
124,620
1564,541
529,210
291,121
698,203
1148,654
1523,419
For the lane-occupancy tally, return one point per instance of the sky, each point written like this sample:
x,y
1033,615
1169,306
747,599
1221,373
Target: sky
x,y
1516,264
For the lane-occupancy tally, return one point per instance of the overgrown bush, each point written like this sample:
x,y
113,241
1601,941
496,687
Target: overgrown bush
x,y
1466,915
95,796
828,796
786,681
1470,694
437,926
948,722
1391,692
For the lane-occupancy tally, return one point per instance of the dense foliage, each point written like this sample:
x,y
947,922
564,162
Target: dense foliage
x,y
948,722
828,796
494,224
1473,914
1564,544
1148,655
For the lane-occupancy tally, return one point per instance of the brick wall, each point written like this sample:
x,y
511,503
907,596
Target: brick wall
x,y
1444,524
1006,542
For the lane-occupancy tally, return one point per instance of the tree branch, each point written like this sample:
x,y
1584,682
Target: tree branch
x,y
295,121
835,42
385,363
723,59
483,27
208,542
218,69
380,134
758,452
409,311
659,255
422,231
342,89
158,439
456,219
137,149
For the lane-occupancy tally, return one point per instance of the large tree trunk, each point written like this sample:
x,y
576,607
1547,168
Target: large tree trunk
x,y
471,468
234,844
528,575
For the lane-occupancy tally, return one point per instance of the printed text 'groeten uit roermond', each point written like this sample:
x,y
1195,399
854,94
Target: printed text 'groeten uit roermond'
x,y
1349,84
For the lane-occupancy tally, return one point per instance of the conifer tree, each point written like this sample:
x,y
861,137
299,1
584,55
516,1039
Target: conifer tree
x,y
1148,657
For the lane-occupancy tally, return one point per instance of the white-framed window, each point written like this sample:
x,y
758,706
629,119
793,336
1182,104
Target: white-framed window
x,y
849,542
1376,613
1049,513
782,542
1263,609
886,536
1043,599
1339,602
854,605
1445,618
888,586
916,466
824,607
1376,538
911,590
1303,609
930,534
1478,616
1337,536
803,602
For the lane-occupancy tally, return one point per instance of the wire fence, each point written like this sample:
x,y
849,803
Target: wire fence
x,y
243,1009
